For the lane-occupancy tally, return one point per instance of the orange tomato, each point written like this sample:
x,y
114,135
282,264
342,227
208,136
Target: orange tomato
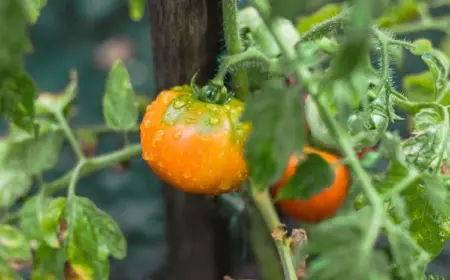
x,y
193,145
322,205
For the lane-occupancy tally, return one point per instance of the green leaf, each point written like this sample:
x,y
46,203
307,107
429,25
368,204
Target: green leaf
x,y
119,102
51,220
438,64
93,237
17,100
324,13
13,245
49,263
31,215
428,227
33,8
137,8
93,229
32,155
311,177
14,184
16,87
278,131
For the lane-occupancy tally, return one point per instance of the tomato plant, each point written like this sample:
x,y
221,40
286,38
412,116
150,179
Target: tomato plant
x,y
247,137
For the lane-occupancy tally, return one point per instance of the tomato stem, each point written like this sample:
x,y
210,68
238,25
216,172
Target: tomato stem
x,y
234,45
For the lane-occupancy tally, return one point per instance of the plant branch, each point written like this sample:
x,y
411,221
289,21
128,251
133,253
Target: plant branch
x,y
93,164
234,45
69,135
265,206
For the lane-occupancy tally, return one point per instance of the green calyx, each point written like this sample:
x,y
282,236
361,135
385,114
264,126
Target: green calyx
x,y
213,92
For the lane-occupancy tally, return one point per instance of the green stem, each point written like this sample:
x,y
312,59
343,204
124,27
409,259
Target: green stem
x,y
93,164
234,45
69,135
89,166
257,58
265,206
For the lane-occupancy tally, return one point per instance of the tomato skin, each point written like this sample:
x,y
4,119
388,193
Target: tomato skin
x,y
323,205
194,146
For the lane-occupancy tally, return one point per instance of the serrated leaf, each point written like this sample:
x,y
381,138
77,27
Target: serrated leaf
x,y
428,227
32,155
278,131
13,244
312,176
33,8
93,237
95,230
119,102
136,8
438,63
14,184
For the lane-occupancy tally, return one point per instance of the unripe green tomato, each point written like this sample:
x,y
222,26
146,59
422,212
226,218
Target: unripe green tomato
x,y
319,130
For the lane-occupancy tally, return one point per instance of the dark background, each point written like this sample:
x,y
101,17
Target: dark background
x,y
87,35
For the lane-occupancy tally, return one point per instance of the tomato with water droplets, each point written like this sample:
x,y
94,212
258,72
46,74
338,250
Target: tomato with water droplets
x,y
193,145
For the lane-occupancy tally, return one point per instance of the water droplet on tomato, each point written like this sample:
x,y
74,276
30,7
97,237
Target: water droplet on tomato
x,y
177,134
157,138
147,123
213,120
179,104
442,233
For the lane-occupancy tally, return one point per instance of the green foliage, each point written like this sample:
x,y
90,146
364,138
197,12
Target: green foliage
x,y
17,90
14,247
119,102
275,116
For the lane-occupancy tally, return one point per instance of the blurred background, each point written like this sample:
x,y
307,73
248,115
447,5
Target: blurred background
x,y
88,36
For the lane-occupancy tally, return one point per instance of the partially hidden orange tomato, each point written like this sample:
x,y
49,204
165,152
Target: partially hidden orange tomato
x,y
322,205
193,145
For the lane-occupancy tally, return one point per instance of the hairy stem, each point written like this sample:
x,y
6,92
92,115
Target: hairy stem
x,y
254,57
234,45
